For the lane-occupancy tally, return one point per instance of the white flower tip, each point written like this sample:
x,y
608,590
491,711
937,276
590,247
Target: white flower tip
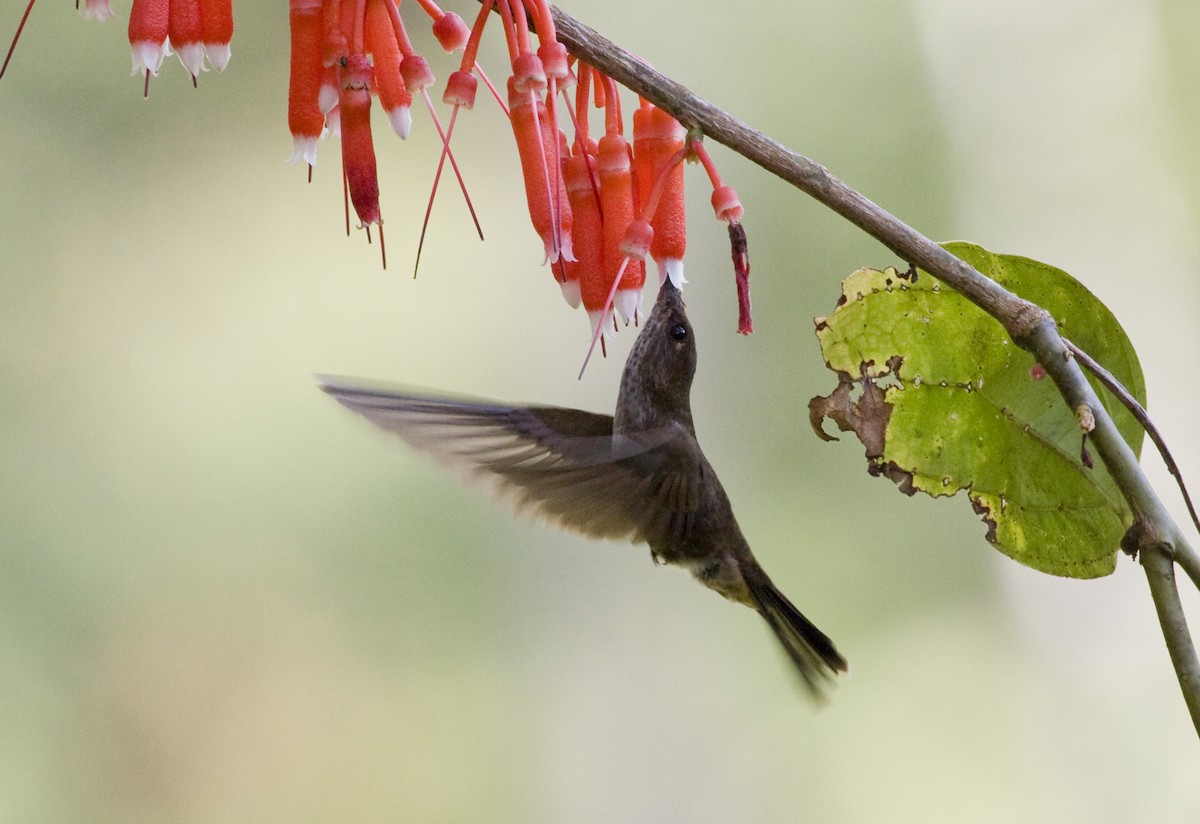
x,y
98,10
628,303
148,56
333,123
218,55
594,317
566,247
304,149
671,268
191,55
327,98
571,293
401,120
558,246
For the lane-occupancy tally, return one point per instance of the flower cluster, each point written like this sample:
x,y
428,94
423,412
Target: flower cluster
x,y
342,53
599,206
195,29
192,29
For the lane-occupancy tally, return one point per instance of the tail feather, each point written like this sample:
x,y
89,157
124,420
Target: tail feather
x,y
815,657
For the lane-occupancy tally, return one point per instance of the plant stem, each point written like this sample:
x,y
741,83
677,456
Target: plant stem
x,y
1160,572
1030,326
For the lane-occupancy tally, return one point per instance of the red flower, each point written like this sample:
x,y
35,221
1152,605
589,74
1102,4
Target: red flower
x,y
598,209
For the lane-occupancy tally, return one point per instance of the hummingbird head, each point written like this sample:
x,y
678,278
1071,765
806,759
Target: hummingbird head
x,y
657,382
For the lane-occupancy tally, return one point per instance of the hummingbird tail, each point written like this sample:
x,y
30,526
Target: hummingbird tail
x,y
815,657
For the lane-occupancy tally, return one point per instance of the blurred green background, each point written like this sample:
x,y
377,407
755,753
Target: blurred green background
x,y
223,598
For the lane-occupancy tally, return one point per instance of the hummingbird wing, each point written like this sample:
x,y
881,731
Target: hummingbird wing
x,y
562,464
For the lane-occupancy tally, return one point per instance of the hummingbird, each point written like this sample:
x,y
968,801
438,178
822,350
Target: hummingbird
x,y
638,474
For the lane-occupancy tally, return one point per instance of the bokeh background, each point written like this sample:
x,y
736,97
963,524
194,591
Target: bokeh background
x,y
223,598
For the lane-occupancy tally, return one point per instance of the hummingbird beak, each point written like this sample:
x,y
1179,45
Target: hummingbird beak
x,y
669,295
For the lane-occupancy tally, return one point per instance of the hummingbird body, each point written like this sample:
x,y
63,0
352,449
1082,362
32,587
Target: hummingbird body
x,y
639,474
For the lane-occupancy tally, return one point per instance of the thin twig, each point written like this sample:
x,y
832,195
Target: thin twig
x,y
1160,573
1141,415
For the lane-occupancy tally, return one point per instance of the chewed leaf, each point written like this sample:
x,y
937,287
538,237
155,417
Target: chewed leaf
x,y
944,401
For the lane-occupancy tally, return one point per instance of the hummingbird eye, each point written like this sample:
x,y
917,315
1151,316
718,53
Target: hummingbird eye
x,y
679,332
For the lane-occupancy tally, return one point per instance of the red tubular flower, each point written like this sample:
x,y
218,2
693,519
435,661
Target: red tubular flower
x,y
537,134
305,118
658,142
350,24
550,214
184,30
605,203
554,143
148,23
585,275
618,207
335,45
358,150
216,17
393,94
583,193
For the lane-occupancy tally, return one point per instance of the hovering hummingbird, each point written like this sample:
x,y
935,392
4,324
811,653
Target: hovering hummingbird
x,y
638,474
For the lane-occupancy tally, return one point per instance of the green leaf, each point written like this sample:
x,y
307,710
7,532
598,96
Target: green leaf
x,y
943,401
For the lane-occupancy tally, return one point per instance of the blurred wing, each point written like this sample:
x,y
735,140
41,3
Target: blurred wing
x,y
562,464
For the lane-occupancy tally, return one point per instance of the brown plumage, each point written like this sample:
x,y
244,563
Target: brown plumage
x,y
638,475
